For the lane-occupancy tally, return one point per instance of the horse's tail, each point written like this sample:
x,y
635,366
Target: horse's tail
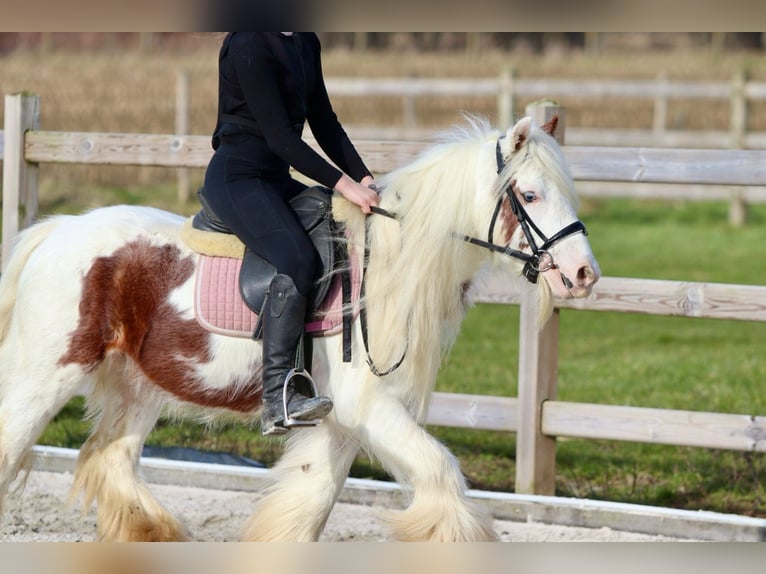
x,y
24,245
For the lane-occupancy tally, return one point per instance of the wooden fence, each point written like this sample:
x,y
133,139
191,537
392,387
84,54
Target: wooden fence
x,y
508,89
535,415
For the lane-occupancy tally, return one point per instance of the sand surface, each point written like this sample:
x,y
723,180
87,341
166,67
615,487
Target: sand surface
x,y
40,513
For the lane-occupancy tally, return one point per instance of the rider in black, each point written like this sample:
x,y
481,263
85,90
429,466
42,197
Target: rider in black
x,y
270,84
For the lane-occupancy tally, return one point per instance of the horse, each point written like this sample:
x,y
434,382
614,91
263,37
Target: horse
x,y
100,305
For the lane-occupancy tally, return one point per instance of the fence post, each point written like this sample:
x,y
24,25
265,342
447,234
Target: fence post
x,y
506,98
738,119
543,110
538,371
22,113
738,128
182,129
361,41
660,119
409,111
538,368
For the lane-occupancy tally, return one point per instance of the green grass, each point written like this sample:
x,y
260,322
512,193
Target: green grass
x,y
612,358
639,360
622,359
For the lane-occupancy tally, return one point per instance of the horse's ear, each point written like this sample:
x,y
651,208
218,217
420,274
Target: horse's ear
x,y
550,126
519,134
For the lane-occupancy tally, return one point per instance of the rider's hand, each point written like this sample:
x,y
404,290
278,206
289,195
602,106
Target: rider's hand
x,y
358,193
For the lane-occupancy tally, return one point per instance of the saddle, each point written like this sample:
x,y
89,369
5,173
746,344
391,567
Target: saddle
x,y
225,258
314,209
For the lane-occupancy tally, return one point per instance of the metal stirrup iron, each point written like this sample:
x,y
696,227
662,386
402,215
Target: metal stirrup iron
x,y
298,372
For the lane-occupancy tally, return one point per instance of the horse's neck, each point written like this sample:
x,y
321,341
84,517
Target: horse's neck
x,y
420,261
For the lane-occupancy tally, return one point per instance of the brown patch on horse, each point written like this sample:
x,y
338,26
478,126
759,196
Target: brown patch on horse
x,y
510,223
125,308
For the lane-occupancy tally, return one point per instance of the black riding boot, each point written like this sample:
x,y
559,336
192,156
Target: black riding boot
x,y
288,396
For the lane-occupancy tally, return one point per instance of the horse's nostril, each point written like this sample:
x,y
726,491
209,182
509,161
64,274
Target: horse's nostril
x,y
585,276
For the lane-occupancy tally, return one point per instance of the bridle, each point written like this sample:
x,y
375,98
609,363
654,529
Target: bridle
x,y
538,261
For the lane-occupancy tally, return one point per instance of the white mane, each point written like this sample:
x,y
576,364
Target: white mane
x,y
418,271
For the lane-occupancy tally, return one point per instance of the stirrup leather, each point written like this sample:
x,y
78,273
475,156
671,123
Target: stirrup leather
x,y
287,421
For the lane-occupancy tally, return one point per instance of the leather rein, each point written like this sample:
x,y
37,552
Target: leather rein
x,y
538,261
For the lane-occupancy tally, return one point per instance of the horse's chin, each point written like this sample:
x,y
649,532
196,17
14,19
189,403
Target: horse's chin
x,y
579,292
555,283
559,288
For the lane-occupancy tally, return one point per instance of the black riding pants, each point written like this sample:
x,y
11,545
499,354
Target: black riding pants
x,y
256,209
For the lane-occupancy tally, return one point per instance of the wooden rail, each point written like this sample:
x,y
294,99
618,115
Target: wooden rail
x,y
507,88
741,432
733,175
651,297
635,165
657,426
535,415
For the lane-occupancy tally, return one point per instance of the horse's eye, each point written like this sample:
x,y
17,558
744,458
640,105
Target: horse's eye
x,y
529,196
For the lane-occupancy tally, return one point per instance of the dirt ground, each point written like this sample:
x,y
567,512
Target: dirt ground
x,y
40,513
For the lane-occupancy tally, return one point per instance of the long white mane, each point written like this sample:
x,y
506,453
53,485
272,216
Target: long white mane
x,y
418,270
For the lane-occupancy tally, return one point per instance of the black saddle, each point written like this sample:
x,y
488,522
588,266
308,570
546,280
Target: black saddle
x,y
314,209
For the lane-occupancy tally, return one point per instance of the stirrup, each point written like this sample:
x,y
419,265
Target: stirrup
x,y
289,422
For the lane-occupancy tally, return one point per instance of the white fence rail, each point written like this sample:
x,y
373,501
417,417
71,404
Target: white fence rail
x,y
536,416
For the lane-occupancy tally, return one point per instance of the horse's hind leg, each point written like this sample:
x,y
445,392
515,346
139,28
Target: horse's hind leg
x,y
30,396
106,472
439,510
307,481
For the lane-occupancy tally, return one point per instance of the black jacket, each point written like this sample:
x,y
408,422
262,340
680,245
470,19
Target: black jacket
x,y
270,84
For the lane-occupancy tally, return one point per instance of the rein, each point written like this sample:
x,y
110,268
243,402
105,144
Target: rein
x,y
363,310
538,261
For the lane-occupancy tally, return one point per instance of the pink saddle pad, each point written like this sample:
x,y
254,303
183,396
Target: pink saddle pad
x,y
218,305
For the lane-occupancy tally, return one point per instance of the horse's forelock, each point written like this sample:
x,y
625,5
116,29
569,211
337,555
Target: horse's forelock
x,y
545,155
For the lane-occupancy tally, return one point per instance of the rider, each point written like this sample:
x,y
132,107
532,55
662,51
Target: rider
x,y
270,84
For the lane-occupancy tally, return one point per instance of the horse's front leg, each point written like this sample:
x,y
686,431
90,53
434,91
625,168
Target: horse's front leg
x,y
439,510
307,481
